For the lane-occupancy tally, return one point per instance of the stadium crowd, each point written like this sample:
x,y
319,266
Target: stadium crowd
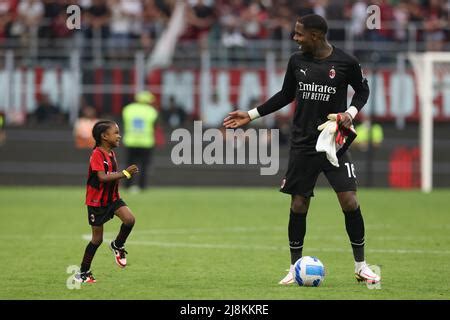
x,y
124,25
233,22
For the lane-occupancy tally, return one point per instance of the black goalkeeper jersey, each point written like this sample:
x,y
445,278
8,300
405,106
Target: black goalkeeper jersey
x,y
319,88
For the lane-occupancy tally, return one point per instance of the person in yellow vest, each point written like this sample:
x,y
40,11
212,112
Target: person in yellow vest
x,y
362,131
139,119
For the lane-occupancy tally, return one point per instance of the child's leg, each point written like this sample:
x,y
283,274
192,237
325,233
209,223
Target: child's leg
x,y
124,213
91,248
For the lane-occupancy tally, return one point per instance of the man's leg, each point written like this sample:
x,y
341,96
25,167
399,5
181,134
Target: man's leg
x,y
299,182
296,232
297,225
343,181
354,224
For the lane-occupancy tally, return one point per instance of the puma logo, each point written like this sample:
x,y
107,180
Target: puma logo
x,y
304,71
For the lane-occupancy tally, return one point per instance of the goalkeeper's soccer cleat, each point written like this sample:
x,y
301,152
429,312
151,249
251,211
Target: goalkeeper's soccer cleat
x,y
85,277
364,273
119,255
289,278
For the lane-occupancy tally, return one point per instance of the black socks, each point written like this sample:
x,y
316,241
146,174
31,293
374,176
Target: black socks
x,y
296,233
354,224
89,254
123,235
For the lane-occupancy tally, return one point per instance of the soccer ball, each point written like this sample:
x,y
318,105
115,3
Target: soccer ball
x,y
309,271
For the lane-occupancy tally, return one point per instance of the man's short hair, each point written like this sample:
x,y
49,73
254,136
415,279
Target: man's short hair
x,y
314,22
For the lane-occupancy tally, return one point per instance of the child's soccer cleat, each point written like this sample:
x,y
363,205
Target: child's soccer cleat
x,y
289,278
364,273
119,255
85,277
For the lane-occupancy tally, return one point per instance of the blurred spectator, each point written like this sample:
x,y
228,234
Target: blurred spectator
x,y
319,7
125,24
47,112
29,17
231,12
83,128
415,11
200,18
358,19
214,113
280,24
336,10
97,19
234,23
52,9
254,19
173,114
232,36
401,18
436,18
53,26
7,10
153,24
302,8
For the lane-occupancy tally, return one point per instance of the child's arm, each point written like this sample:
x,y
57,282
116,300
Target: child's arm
x,y
103,177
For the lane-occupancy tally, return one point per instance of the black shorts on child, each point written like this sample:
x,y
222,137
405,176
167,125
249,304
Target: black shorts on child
x,y
97,216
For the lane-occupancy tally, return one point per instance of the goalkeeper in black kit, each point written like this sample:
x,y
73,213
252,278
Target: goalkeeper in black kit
x,y
317,77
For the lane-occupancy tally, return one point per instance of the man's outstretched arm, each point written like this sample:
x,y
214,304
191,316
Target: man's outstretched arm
x,y
283,97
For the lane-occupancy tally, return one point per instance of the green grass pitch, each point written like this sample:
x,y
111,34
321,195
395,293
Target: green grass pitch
x,y
219,243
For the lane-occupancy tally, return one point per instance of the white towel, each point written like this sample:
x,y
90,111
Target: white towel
x,y
326,141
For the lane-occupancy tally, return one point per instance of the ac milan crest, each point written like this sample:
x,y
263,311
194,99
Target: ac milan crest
x,y
332,73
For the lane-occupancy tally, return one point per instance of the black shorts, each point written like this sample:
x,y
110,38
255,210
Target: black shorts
x,y
303,171
97,216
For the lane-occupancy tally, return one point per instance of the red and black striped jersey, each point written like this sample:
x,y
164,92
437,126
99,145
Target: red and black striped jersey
x,y
100,194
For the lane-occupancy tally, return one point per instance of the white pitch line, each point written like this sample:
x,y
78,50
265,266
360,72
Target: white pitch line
x,y
250,230
264,248
276,248
209,230
243,229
